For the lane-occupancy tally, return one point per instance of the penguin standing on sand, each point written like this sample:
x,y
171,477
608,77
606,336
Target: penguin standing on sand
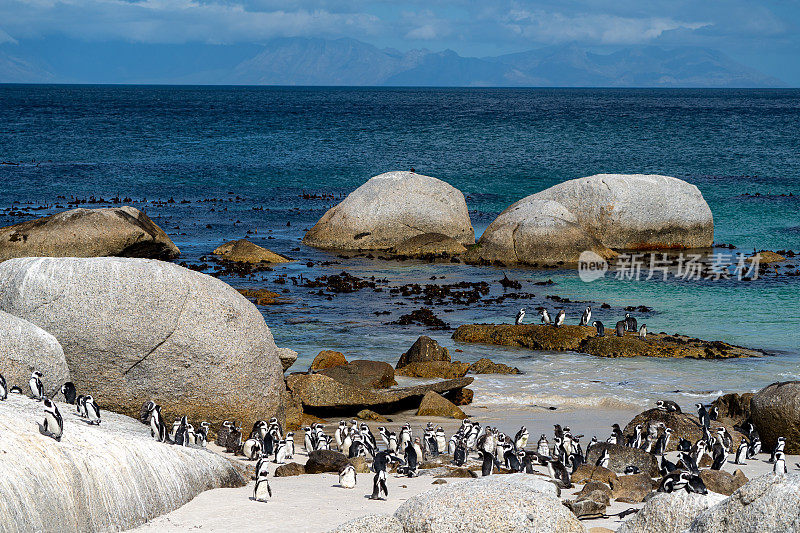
x,y
158,428
347,477
251,448
754,448
379,486
37,389
290,445
280,452
53,423
560,318
441,439
586,316
92,411
779,447
521,438
262,492
520,316
545,316
620,329
741,452
601,329
559,473
69,392
780,463
3,388
543,447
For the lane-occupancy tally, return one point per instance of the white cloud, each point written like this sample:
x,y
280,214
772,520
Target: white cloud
x,y
426,32
547,27
175,21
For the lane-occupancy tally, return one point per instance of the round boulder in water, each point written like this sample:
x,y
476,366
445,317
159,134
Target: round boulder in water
x,y
391,208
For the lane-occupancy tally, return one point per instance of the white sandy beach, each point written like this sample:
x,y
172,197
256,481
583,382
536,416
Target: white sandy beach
x,y
315,503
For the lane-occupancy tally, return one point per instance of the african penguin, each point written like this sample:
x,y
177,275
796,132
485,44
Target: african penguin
x,y
620,329
37,389
347,477
741,452
668,406
53,423
604,459
545,316
262,492
560,318
780,463
520,316
379,486
92,411
630,323
586,316
643,332
601,330
69,392
3,388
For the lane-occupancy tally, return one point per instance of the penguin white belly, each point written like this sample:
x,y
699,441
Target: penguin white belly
x,y
51,425
262,491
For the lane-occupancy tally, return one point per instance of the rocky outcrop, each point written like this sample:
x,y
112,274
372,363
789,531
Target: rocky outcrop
x,y
622,456
434,404
775,411
632,488
510,503
768,503
320,461
326,359
290,469
589,473
134,330
424,350
428,245
683,425
366,414
324,395
109,477
462,396
434,369
486,366
244,251
391,208
25,347
120,231
723,482
669,512
583,339
363,374
734,406
384,523
536,232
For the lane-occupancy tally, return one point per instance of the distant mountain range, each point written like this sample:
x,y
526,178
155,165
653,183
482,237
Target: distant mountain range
x,y
348,62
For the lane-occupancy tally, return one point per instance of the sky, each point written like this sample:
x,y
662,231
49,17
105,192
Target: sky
x,y
759,33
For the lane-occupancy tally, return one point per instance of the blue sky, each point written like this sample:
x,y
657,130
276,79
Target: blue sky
x,y
761,34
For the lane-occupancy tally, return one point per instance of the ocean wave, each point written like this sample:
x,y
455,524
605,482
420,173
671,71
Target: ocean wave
x,y
546,401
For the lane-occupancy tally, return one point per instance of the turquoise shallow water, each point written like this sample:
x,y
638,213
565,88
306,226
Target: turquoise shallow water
x,y
268,146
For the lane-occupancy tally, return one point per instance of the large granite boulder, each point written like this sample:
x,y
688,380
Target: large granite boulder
x,y
25,347
134,330
508,503
363,373
534,232
391,208
424,350
767,503
723,482
633,488
683,425
120,231
244,251
324,395
111,477
434,369
775,411
622,456
734,406
320,461
669,512
636,211
287,357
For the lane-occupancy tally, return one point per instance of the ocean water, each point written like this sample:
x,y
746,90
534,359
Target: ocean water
x,y
265,164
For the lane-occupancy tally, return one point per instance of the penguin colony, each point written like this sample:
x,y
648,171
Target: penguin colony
x,y
267,443
627,324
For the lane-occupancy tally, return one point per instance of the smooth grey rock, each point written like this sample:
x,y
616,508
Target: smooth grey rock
x,y
637,211
669,513
383,523
134,330
117,231
109,477
768,503
622,456
502,503
536,231
391,208
25,347
775,411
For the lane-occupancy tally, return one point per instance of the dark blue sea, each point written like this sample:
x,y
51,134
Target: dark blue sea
x,y
240,160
